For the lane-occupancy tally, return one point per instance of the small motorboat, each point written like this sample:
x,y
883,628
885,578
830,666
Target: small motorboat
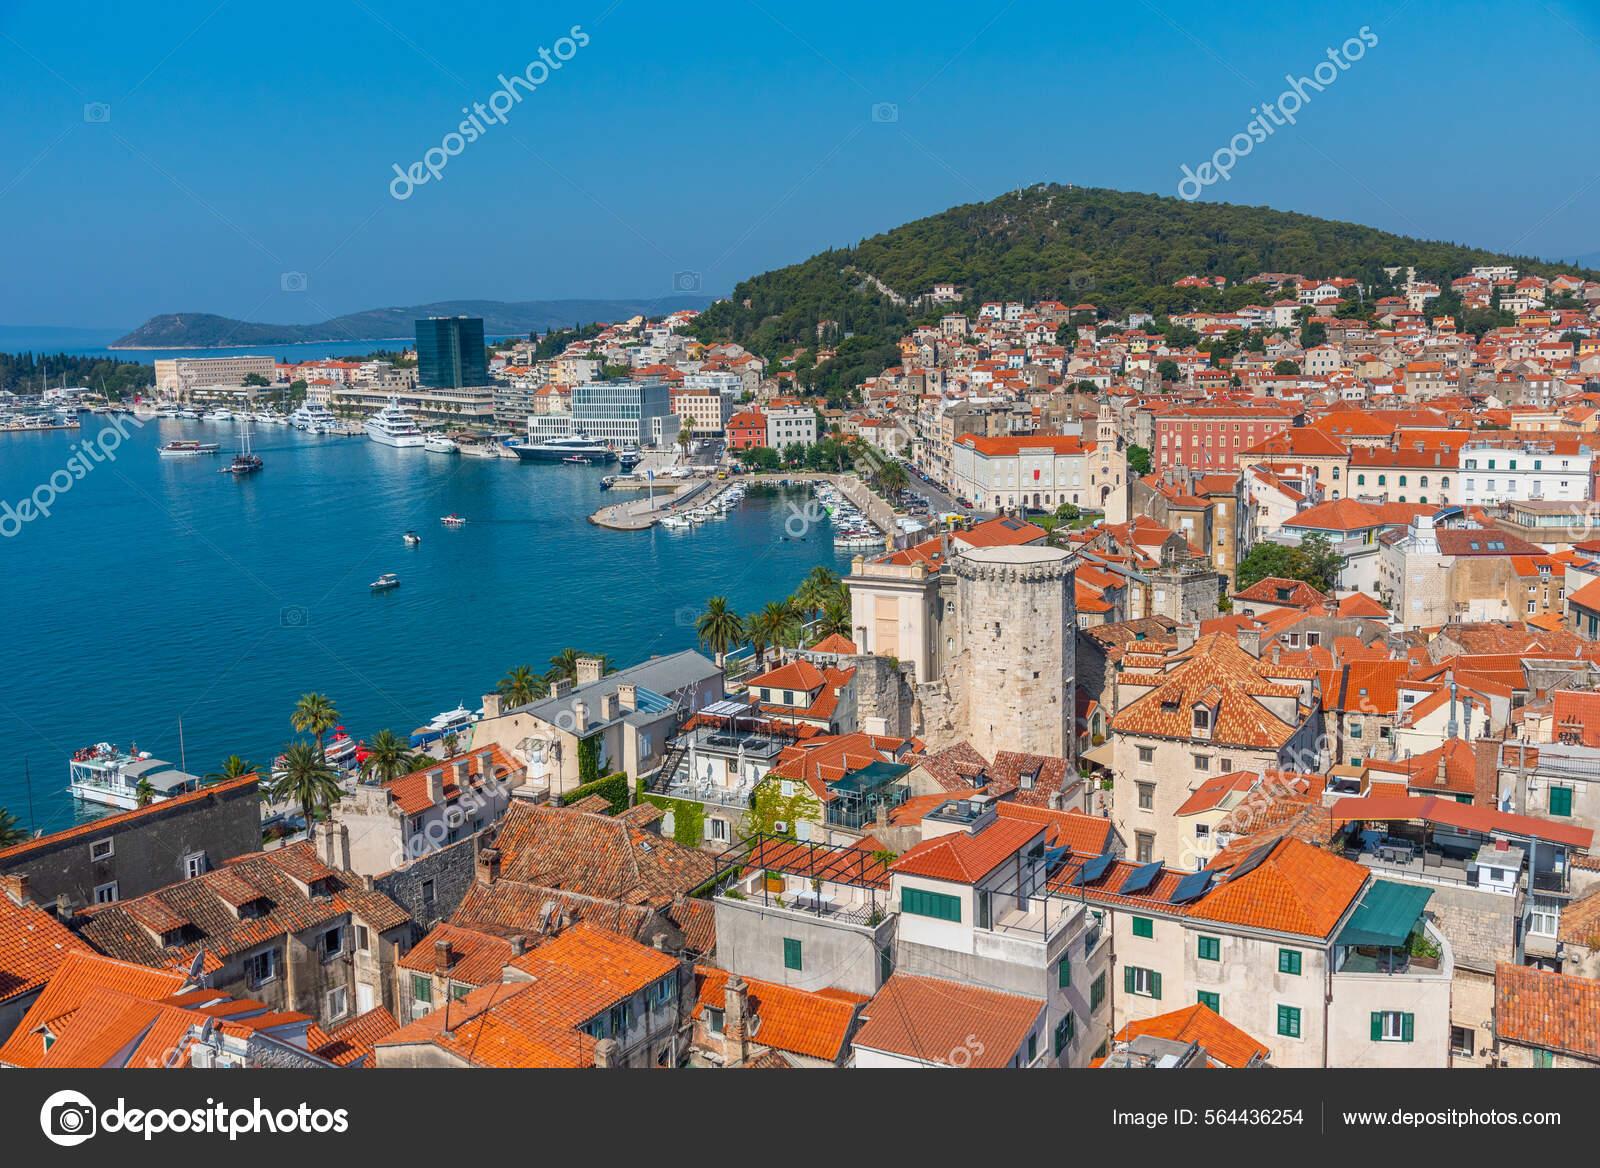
x,y
576,458
607,482
453,520
412,539
385,582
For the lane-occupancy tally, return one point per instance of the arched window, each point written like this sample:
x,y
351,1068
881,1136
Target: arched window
x,y
1424,480
1402,483
1361,480
1382,480
1335,474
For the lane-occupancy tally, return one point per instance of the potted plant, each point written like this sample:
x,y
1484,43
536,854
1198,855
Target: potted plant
x,y
774,881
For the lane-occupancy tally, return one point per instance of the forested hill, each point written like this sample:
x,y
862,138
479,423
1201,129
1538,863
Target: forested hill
x,y
1115,249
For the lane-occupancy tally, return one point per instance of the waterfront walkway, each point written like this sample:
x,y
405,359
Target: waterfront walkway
x,y
638,514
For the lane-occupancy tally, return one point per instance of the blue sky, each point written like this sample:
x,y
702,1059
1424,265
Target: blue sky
x,y
227,145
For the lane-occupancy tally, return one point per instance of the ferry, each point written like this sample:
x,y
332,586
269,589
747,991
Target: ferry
x,y
189,449
578,445
392,426
106,775
450,722
385,582
314,418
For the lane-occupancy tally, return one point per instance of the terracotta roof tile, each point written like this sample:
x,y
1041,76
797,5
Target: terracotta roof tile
x,y
950,1023
1551,1011
1224,1042
815,1025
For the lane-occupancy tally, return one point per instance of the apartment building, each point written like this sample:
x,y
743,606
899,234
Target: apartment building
x,y
1212,439
791,425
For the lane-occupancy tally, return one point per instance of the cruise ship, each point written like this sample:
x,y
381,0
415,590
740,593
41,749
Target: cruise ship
x,y
574,446
394,427
106,775
313,417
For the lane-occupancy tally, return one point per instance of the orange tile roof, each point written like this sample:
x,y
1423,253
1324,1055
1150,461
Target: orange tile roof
x,y
410,792
77,978
950,1023
33,944
353,1041
1224,1042
1216,670
476,958
1551,1011
1296,889
966,859
1086,835
816,1025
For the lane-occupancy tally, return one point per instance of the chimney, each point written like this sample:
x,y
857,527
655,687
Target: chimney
x,y
628,696
337,855
463,769
608,707
659,940
63,907
735,1025
589,669
519,945
436,786
491,705
882,816
486,765
580,717
1250,642
488,865
441,958
561,687
1188,633
606,1052
17,888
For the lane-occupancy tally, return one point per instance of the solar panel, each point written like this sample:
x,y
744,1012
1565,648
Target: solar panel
x,y
1054,856
1142,878
1191,887
1250,862
1093,870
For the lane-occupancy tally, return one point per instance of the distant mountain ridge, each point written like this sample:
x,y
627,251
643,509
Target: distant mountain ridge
x,y
203,330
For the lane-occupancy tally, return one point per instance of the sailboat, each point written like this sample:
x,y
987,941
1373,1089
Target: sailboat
x,y
246,461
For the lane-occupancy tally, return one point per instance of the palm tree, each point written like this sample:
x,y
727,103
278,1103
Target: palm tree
x,y
388,756
315,714
233,767
778,620
816,589
835,618
760,640
145,793
564,664
892,478
452,744
521,686
306,779
11,832
719,627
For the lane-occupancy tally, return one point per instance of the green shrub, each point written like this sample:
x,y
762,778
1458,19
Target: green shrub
x,y
612,788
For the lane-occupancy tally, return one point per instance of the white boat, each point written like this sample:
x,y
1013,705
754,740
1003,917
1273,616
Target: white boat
x,y
439,444
453,520
341,748
676,522
314,418
412,539
111,777
188,449
385,582
188,415
219,415
450,722
392,426
574,446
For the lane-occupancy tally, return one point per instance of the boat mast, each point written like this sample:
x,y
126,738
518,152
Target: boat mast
x,y
183,761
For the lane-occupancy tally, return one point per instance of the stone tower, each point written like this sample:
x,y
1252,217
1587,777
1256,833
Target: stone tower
x,y
1109,466
1013,679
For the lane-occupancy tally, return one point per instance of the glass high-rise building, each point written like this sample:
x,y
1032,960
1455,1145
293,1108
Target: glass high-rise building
x,y
450,352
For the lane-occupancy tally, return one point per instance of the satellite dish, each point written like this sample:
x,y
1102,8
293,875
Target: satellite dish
x,y
197,965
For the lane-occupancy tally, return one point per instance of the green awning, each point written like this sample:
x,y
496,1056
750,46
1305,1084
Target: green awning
x,y
1386,915
869,777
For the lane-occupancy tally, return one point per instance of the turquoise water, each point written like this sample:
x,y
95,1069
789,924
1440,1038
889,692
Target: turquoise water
x,y
159,588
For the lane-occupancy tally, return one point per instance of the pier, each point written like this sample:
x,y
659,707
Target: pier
x,y
671,497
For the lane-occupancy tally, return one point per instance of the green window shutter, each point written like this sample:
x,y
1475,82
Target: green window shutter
x,y
1033,1047
421,988
1377,1026
1127,979
1097,992
1560,800
1210,1001
1289,1021
1064,973
1155,984
791,953
1210,949
1143,927
1407,1026
1289,961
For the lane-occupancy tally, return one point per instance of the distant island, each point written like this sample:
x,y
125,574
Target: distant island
x,y
203,330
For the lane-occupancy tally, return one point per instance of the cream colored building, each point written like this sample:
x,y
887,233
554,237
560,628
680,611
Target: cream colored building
x,y
179,376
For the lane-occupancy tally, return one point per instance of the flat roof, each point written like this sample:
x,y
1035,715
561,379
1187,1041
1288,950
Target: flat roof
x,y
1015,554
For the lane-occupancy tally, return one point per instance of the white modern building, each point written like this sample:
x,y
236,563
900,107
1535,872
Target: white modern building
x,y
1497,470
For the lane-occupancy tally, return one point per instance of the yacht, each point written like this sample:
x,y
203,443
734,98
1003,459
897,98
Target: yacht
x,y
630,457
220,414
385,582
188,415
314,418
394,427
574,447
439,444
450,722
111,777
189,449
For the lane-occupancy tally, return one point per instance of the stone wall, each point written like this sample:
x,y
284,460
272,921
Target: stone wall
x,y
432,886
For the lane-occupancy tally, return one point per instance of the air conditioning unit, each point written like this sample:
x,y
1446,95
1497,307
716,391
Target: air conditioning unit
x,y
780,827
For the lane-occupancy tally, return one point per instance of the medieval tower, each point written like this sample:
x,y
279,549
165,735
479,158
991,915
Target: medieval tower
x,y
1013,680
1108,475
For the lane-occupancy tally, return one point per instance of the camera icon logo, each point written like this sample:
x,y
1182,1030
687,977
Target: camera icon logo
x,y
293,281
885,112
68,1118
96,111
294,617
686,281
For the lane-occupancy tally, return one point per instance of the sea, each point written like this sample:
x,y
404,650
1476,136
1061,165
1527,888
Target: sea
x,y
158,592
94,342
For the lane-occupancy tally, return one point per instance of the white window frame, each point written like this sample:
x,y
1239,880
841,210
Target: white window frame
x,y
252,965
194,865
1140,973
1397,1033
110,845
338,994
110,887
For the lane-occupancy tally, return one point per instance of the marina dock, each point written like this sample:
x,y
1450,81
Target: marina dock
x,y
672,496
